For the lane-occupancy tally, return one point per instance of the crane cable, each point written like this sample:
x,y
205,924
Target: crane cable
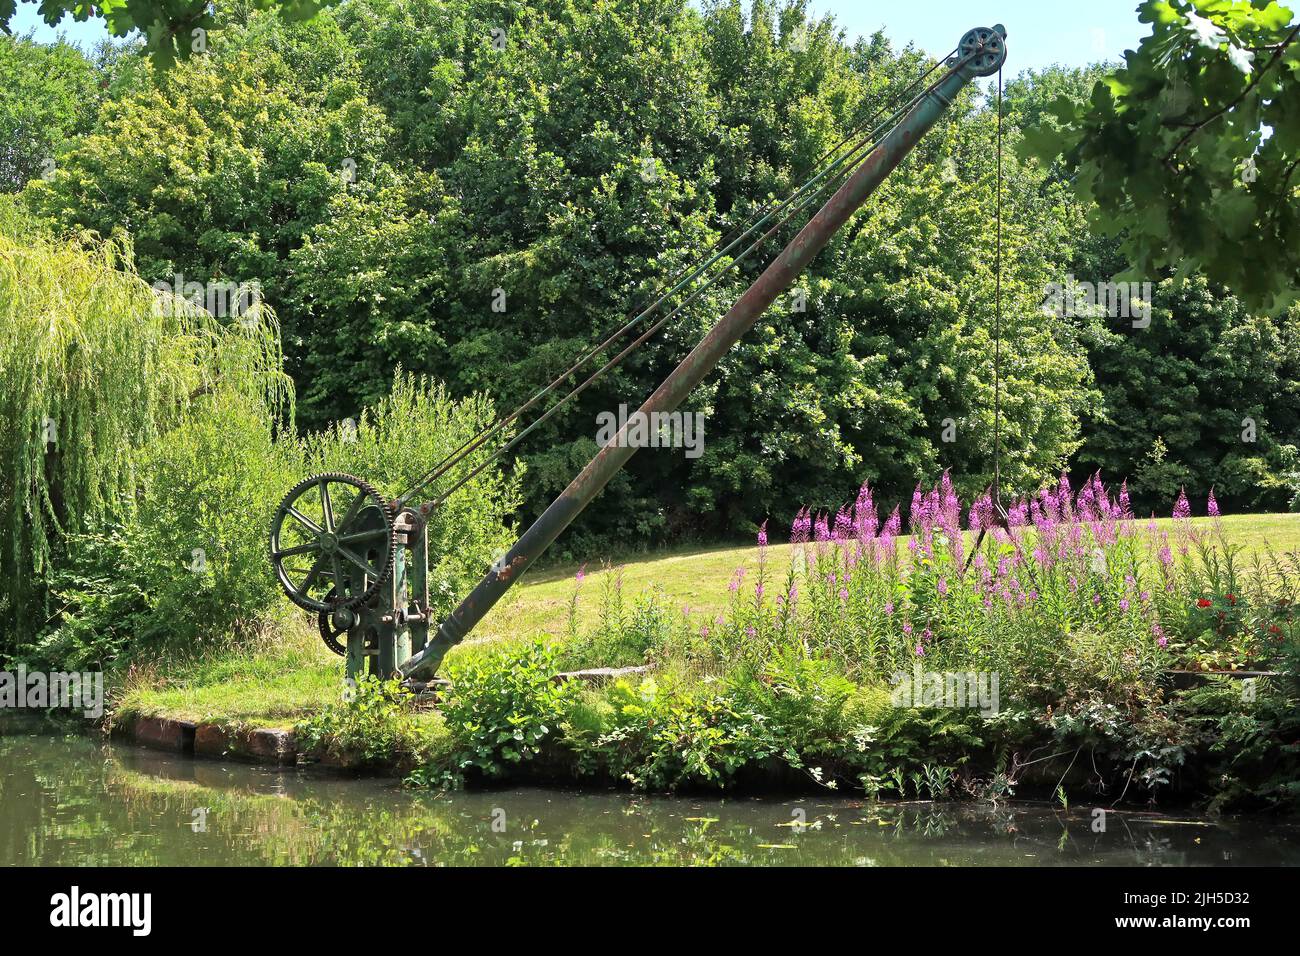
x,y
997,327
1000,516
682,279
822,181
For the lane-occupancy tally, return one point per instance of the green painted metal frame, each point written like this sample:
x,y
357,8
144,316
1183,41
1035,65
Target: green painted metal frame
x,y
387,632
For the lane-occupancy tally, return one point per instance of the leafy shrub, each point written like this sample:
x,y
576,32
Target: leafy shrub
x,y
501,710
186,566
374,725
664,738
397,441
808,703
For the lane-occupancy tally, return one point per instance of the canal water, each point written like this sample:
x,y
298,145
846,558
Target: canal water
x,y
73,801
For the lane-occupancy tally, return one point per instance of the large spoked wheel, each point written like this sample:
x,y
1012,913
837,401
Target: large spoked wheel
x,y
332,542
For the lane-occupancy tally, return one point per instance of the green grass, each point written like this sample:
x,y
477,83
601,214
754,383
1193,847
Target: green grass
x,y
270,686
697,577
275,685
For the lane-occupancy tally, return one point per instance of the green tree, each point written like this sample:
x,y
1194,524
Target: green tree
x,y
217,168
1188,153
171,28
48,95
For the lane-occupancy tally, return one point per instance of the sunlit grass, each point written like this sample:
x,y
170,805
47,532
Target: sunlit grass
x,y
282,680
696,578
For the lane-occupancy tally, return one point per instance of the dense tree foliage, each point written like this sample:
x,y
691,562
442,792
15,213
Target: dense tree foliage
x,y
477,191
1190,151
49,95
170,29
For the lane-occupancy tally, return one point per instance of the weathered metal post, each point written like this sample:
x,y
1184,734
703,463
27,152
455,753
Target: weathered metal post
x,y
980,53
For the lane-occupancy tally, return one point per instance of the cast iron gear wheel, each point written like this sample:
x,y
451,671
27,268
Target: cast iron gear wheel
x,y
307,527
328,632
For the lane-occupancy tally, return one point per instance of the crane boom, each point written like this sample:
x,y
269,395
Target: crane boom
x,y
981,52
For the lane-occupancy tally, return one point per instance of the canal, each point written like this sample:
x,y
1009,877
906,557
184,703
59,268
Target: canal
x,y
78,801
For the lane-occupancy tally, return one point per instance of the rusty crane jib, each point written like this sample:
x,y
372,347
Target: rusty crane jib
x,y
371,561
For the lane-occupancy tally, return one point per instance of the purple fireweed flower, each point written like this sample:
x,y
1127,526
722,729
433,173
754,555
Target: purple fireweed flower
x,y
801,526
750,632
1032,595
1162,641
1145,597
1181,508
1123,604
1063,494
926,634
762,535
758,590
821,528
1125,506
843,524
844,594
920,651
889,607
1212,506
864,514
1096,599
704,630
907,628
582,573
943,587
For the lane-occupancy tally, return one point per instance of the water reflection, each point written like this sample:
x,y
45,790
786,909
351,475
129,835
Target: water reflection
x,y
76,801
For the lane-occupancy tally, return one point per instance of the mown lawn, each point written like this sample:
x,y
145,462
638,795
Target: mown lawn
x,y
697,577
279,684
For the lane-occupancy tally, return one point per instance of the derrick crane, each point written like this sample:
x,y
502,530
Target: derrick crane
x,y
360,560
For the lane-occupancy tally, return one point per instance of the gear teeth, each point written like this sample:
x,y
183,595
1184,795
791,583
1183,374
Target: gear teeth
x,y
327,632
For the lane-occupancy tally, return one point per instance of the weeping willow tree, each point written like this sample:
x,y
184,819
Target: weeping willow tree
x,y
94,364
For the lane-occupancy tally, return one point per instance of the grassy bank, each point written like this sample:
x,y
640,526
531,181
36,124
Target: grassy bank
x,y
746,690
277,682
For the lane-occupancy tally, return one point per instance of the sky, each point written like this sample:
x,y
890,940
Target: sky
x,y
1039,32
